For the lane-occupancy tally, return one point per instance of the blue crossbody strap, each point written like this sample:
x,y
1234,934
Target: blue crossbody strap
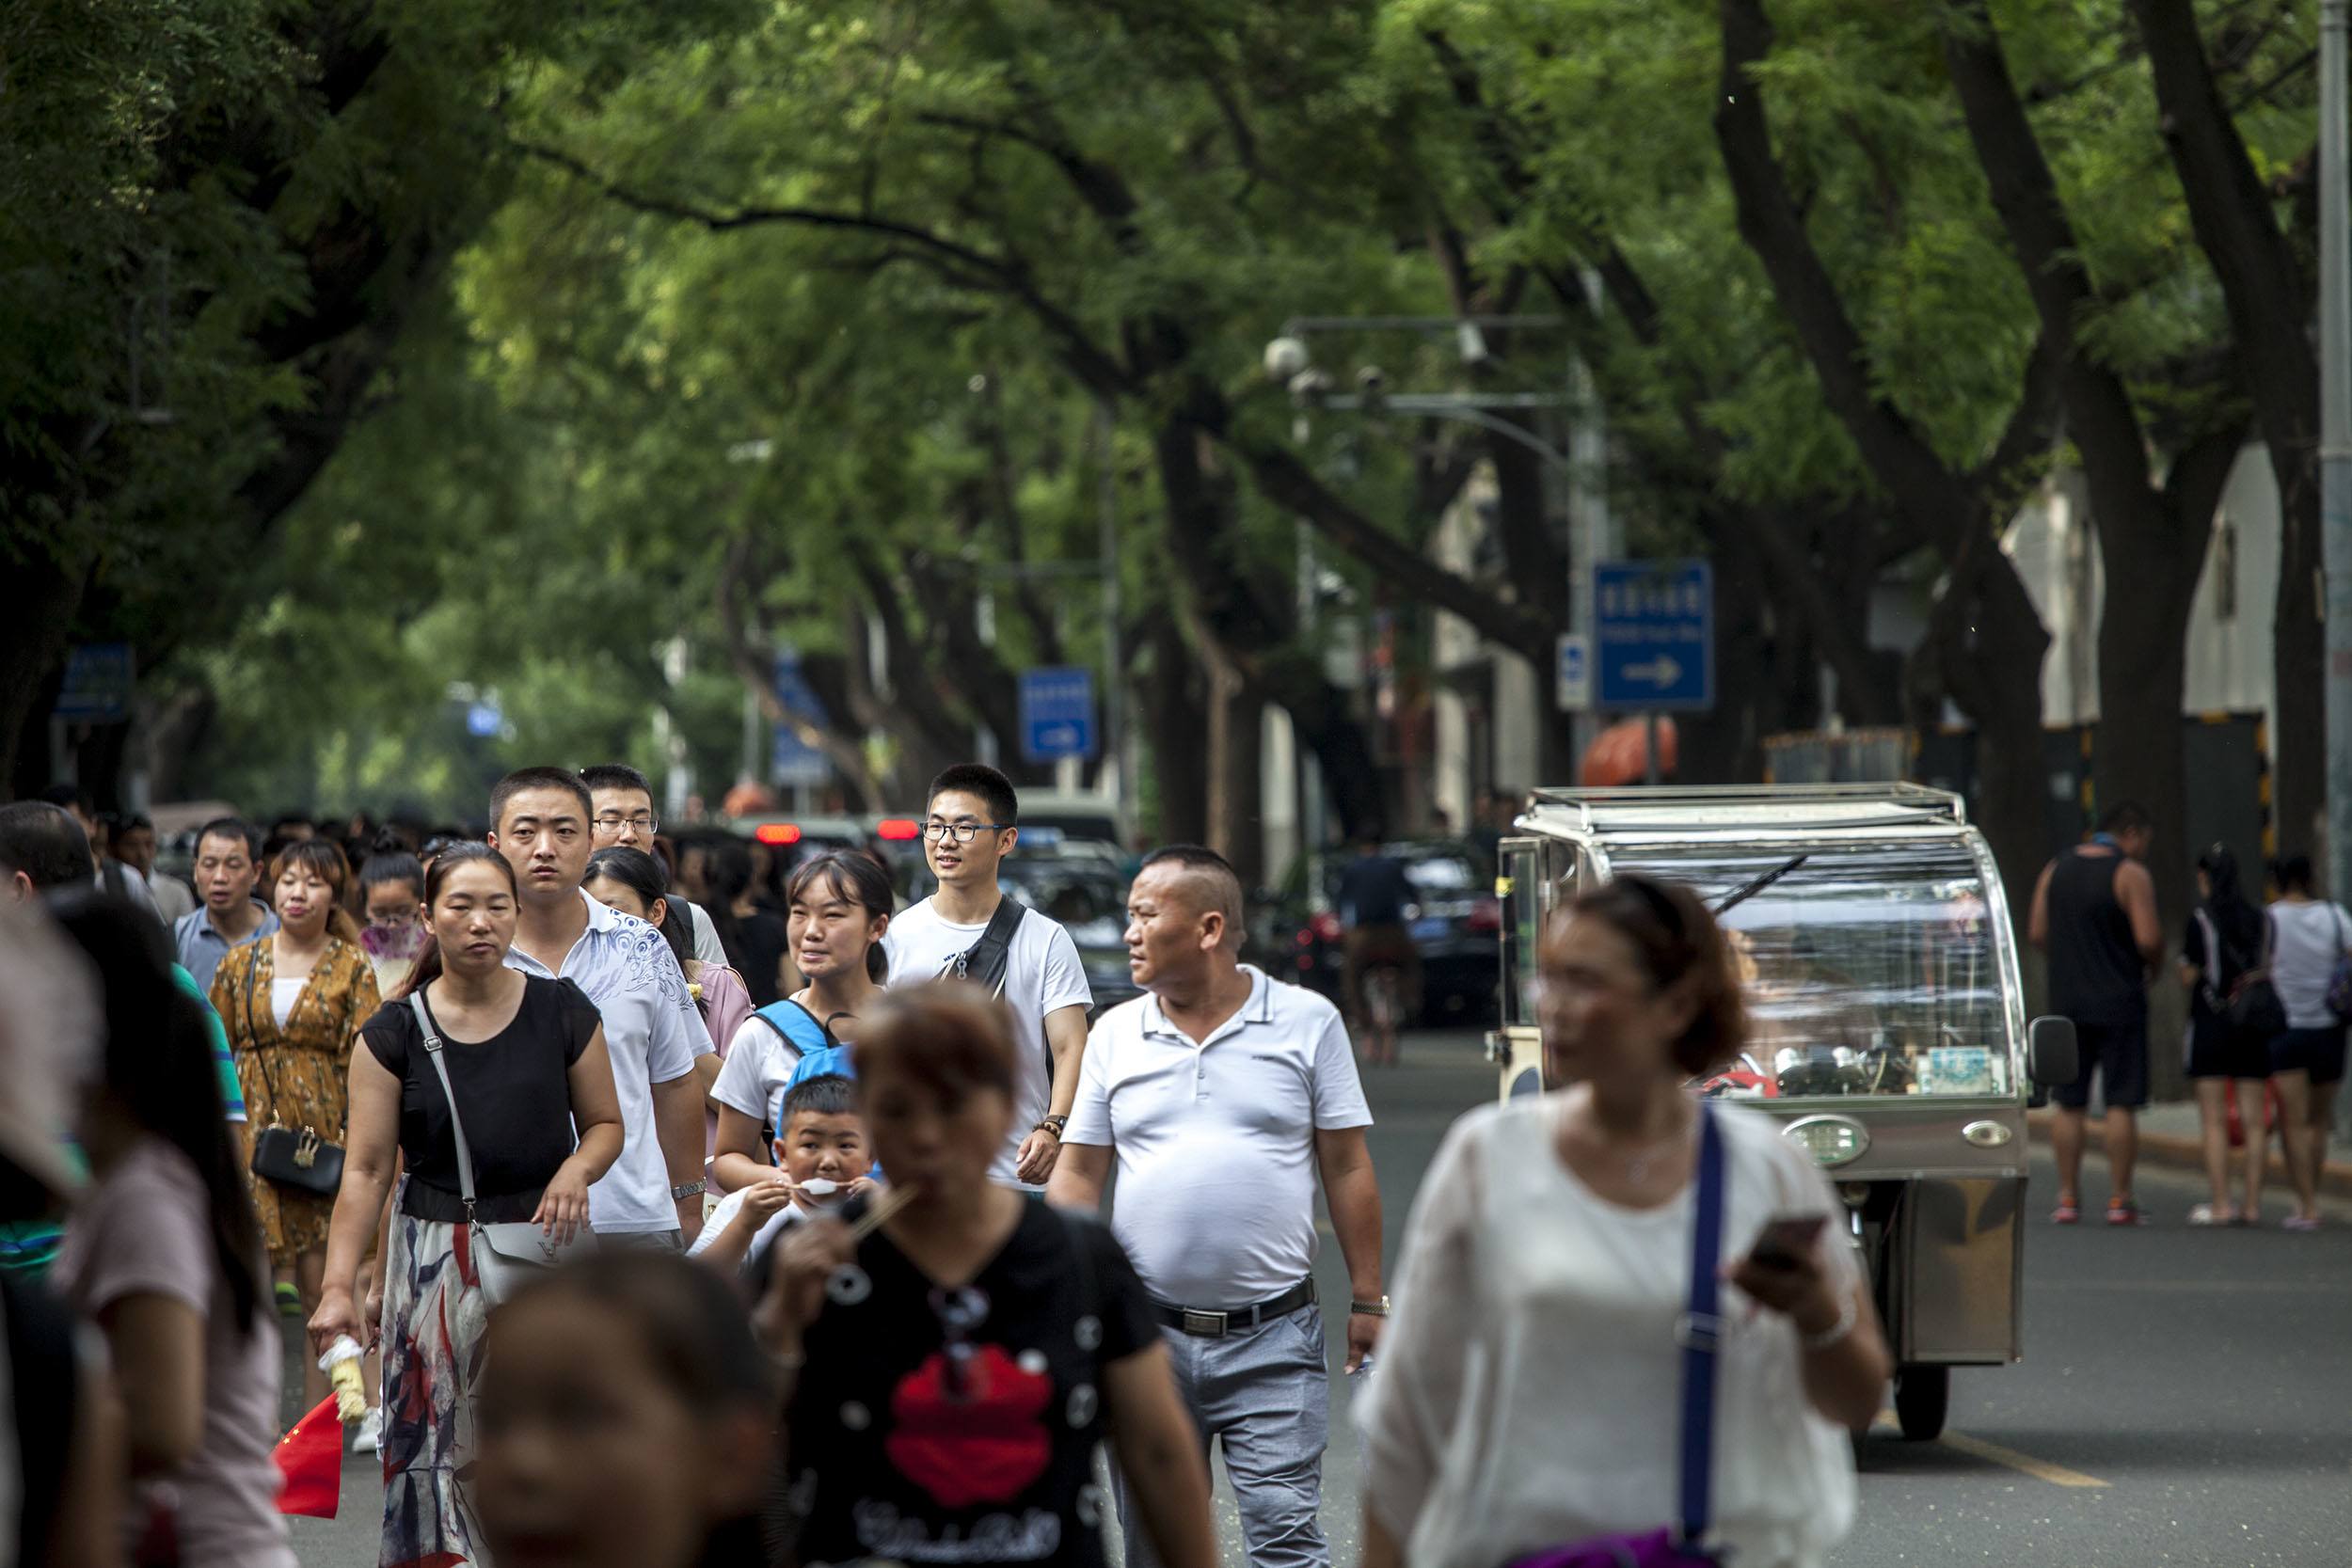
x,y
1702,1333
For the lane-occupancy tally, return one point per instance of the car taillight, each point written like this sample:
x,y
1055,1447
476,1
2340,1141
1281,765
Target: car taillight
x,y
1325,926
1485,915
899,829
778,834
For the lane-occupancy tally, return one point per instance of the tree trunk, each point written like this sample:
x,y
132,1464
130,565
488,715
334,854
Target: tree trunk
x,y
1235,773
1174,718
38,596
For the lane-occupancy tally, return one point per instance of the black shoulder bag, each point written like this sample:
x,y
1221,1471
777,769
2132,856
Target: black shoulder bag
x,y
986,961
304,1159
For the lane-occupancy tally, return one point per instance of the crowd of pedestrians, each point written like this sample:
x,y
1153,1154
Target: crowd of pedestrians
x,y
683,1241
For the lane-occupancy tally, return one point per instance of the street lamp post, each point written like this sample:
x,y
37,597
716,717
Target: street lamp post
x,y
2335,434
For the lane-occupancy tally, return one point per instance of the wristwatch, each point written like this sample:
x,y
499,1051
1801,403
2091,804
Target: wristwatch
x,y
1052,1125
692,1189
1369,1309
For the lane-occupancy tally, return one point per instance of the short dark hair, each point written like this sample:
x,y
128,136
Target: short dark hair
x,y
1203,861
2126,816
232,827
2294,874
393,866
823,1094
1674,939
74,797
978,778
42,839
503,792
688,1321
615,775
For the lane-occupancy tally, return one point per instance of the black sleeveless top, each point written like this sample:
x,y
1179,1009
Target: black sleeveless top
x,y
2097,975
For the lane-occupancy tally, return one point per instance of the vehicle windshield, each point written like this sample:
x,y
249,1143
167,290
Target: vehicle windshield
x,y
1090,905
1871,968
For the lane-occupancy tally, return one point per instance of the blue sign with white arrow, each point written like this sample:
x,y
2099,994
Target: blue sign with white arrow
x,y
1654,635
1056,713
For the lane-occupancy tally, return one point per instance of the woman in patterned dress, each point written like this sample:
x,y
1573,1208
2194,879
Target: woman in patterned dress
x,y
527,1065
292,1003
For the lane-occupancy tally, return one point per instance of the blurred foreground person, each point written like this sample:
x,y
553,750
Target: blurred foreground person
x,y
951,1371
293,1003
60,1447
165,1256
526,1064
607,1388
1538,1387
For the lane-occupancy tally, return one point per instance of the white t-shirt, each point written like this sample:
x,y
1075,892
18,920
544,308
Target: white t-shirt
x,y
759,1064
653,1035
2306,941
1529,1390
723,1215
1043,976
1215,1142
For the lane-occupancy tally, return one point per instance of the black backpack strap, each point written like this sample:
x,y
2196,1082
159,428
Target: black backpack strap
x,y
987,960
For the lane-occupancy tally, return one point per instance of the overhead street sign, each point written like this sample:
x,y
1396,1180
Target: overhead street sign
x,y
1654,635
1056,713
792,760
98,685
1573,687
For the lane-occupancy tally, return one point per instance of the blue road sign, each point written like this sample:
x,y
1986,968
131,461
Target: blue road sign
x,y
98,685
792,760
1057,714
1654,635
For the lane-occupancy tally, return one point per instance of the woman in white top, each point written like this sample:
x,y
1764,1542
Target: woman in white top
x,y
2309,936
1529,1394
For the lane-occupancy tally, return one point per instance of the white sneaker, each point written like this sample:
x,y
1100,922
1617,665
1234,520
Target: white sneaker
x,y
369,1434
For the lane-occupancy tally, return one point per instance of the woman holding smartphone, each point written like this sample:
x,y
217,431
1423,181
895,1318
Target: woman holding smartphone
x,y
1530,1394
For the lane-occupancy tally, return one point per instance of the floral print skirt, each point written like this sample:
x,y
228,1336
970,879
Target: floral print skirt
x,y
433,1317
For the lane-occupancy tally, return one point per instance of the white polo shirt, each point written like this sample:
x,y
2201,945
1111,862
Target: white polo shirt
x,y
653,1035
1215,1142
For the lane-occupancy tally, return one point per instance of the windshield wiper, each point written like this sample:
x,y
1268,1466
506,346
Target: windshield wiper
x,y
1742,894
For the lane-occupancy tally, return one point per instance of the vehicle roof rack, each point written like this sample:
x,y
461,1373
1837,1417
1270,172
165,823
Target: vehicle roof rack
x,y
1811,804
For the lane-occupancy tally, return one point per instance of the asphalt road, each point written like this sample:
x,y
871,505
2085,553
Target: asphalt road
x,y
2186,1395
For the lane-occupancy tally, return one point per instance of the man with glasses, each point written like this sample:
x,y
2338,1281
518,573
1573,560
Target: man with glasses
x,y
623,816
969,929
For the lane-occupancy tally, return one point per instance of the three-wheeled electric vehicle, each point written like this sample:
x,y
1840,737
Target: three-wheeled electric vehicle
x,y
1887,1026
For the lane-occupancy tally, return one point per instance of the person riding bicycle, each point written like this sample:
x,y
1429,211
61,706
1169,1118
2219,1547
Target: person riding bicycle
x,y
1374,894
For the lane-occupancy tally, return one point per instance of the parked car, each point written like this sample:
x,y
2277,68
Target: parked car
x,y
1455,923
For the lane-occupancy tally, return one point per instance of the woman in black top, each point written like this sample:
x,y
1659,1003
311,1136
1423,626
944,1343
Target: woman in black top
x,y
2222,944
951,1375
527,1062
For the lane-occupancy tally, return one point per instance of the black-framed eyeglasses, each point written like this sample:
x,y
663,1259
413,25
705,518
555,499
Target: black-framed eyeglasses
x,y
612,821
965,832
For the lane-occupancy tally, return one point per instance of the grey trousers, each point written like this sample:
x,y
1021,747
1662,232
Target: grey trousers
x,y
1265,1395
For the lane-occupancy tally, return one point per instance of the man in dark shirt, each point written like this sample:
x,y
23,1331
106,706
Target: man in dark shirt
x,y
1374,895
2095,914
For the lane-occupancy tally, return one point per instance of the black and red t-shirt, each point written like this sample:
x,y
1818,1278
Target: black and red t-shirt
x,y
888,1460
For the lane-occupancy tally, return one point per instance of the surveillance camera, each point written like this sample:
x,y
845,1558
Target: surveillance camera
x,y
1472,341
1371,380
1285,358
1309,386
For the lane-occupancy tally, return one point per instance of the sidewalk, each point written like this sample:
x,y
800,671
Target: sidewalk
x,y
2169,1135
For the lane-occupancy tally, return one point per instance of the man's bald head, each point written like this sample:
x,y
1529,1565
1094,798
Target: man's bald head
x,y
1205,882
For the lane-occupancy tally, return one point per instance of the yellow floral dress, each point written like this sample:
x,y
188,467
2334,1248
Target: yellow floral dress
x,y
297,1076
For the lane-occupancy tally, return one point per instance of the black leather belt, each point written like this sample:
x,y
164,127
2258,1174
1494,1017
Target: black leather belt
x,y
1216,1325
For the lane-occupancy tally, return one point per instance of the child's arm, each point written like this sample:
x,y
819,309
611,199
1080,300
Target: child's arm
x,y
726,1251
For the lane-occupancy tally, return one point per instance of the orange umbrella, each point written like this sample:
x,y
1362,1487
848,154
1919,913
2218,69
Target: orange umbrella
x,y
1621,755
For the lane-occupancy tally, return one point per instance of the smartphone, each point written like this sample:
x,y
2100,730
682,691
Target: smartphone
x,y
1787,1241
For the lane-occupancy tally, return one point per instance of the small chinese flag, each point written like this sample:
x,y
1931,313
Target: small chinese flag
x,y
311,1461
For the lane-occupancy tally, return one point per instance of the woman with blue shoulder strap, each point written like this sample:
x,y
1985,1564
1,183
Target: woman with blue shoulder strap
x,y
839,904
1627,1334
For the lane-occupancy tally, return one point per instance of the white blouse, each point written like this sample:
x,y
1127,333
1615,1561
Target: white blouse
x,y
1529,1386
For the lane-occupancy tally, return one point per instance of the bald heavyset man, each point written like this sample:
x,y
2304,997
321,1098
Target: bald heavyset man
x,y
1224,1094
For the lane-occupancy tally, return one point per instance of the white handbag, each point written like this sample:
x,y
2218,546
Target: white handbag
x,y
507,1256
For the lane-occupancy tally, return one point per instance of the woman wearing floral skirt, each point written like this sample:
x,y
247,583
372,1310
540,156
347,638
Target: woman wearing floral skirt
x,y
526,1058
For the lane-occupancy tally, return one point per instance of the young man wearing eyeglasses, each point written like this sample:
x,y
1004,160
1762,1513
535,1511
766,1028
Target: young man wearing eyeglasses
x,y
623,813
970,826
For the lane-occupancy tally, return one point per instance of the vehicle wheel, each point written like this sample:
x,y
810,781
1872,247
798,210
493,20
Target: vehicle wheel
x,y
1922,1395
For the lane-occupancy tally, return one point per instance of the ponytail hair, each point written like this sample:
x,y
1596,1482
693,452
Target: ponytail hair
x,y
854,877
325,857
427,968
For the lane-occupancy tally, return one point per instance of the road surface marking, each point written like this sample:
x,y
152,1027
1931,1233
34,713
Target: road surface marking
x,y
1977,1447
